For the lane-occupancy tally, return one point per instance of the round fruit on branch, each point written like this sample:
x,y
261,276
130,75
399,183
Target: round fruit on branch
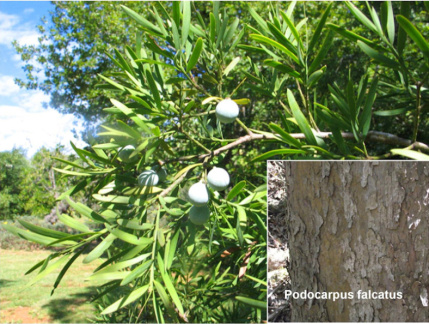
x,y
125,153
198,194
199,214
226,111
218,179
148,178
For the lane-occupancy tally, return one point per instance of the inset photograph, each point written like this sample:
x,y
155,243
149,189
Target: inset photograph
x,y
348,241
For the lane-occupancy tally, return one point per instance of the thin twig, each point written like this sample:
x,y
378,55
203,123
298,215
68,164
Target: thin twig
x,y
167,190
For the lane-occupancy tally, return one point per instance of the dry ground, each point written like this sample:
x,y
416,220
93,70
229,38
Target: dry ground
x,y
69,303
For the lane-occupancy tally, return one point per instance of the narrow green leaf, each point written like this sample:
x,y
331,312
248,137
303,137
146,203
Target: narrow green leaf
x,y
212,28
147,25
281,38
130,238
390,26
75,189
186,23
282,67
48,270
134,224
153,88
195,55
314,77
269,154
169,285
292,29
110,276
327,42
33,237
242,101
410,154
402,34
170,251
275,44
123,264
166,301
121,200
86,211
365,118
300,118
317,32
262,282
392,112
259,20
231,65
137,272
124,64
186,169
80,174
252,302
131,114
99,249
43,231
377,56
230,32
350,35
236,190
286,137
414,34
361,17
65,268
133,296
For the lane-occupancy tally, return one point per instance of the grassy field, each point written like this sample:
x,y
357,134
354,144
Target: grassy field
x,y
69,304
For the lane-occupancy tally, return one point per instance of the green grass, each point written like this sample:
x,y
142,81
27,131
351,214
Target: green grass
x,y
69,303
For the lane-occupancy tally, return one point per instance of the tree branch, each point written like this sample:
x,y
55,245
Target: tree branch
x,y
373,136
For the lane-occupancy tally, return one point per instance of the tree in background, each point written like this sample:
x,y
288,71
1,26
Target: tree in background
x,y
72,52
40,186
13,167
29,187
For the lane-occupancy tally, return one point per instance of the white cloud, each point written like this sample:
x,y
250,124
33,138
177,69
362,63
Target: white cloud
x,y
28,10
27,124
11,28
7,85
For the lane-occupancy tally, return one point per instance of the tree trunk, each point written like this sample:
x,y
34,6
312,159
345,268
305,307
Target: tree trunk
x,y
359,226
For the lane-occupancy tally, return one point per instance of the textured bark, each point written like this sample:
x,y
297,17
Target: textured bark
x,y
359,226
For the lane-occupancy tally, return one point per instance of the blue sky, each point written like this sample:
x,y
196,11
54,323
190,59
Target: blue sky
x,y
23,120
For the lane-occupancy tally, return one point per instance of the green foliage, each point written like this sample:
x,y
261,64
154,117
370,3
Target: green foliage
x,y
71,53
13,167
161,266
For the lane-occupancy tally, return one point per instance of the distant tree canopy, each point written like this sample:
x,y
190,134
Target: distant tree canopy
x,y
29,186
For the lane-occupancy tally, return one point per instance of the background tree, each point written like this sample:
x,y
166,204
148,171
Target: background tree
x,y
358,226
13,167
72,52
40,187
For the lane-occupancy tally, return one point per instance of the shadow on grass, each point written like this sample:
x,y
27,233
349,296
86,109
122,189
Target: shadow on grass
x,y
6,283
64,310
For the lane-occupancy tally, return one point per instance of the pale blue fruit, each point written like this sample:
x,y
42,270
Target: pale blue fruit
x,y
198,194
199,214
226,111
218,179
125,153
162,173
148,178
